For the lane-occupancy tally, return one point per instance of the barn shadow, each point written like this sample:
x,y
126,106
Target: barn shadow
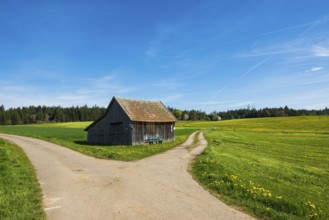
x,y
82,143
85,143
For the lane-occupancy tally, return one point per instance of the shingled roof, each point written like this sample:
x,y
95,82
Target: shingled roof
x,y
146,111
141,111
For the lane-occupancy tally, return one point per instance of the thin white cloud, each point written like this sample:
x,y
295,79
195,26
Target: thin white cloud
x,y
298,46
168,84
266,52
72,97
278,82
257,65
210,103
107,84
243,104
78,91
302,48
171,98
308,26
15,89
314,69
320,51
167,99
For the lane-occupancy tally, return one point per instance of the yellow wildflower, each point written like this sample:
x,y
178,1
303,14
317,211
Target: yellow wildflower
x,y
234,178
312,206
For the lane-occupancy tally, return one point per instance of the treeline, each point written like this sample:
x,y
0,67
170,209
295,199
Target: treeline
x,y
244,113
44,114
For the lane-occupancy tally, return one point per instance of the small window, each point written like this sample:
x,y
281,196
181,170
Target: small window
x,y
116,128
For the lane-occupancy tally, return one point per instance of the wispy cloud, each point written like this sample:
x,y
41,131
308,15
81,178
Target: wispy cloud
x,y
289,47
171,84
314,69
253,68
306,45
275,83
66,92
99,90
306,26
171,98
242,104
72,97
210,103
320,51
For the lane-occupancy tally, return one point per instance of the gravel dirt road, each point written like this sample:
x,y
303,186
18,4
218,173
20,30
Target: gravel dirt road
x,y
76,186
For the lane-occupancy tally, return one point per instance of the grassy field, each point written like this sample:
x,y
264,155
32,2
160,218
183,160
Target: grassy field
x,y
73,136
275,168
20,194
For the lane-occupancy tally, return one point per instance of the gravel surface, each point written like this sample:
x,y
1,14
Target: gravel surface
x,y
76,186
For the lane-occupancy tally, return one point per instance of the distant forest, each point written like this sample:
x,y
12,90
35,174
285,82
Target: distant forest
x,y
244,113
44,114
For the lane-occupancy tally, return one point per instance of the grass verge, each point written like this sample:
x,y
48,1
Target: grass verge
x,y
20,193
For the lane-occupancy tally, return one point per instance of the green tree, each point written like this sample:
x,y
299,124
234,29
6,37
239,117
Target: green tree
x,y
15,118
2,118
178,114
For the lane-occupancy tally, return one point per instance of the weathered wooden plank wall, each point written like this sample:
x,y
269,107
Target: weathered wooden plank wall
x,y
141,131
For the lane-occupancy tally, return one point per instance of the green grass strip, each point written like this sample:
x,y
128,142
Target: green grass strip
x,y
20,193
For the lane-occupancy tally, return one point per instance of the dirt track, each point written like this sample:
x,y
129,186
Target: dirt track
x,y
76,186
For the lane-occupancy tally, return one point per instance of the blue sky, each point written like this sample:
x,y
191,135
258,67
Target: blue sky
x,y
190,54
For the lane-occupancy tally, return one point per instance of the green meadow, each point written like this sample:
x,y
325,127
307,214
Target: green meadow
x,y
273,168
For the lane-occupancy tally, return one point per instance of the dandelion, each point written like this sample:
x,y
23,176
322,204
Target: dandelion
x,y
311,205
234,178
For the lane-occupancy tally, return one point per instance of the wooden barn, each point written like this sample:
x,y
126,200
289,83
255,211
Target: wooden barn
x,y
133,122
